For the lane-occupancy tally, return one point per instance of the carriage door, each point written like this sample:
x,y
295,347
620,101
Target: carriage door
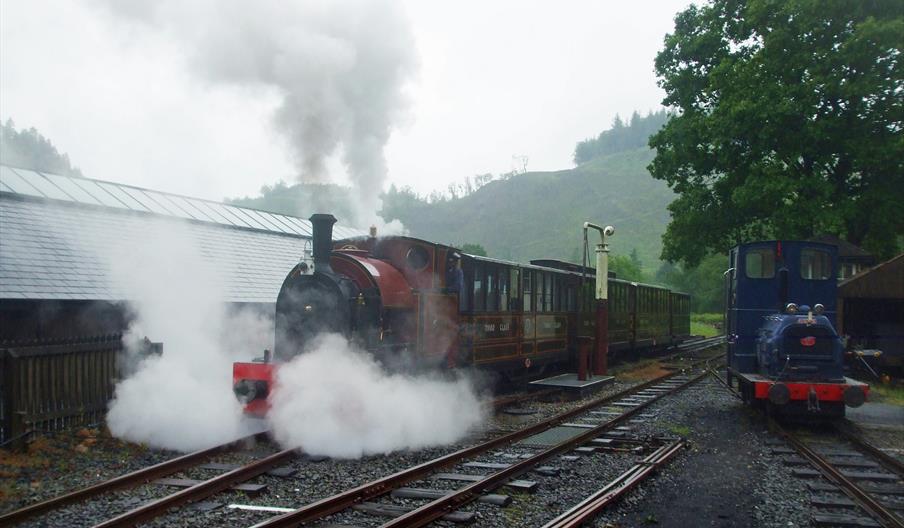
x,y
730,321
438,330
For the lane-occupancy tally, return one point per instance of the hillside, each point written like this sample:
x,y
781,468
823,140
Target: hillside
x,y
527,216
539,214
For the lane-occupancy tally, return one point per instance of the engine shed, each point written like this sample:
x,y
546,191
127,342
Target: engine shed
x,y
871,311
62,236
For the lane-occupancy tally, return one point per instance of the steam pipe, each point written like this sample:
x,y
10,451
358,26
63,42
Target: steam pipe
x,y
323,241
601,353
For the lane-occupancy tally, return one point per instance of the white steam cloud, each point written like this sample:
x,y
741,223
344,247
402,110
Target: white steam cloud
x,y
182,399
337,401
339,68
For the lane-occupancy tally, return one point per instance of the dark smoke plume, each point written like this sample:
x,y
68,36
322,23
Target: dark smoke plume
x,y
339,68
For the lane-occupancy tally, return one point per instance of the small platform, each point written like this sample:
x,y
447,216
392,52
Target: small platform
x,y
570,383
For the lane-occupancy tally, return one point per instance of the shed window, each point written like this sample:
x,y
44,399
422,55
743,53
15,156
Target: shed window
x,y
760,263
815,264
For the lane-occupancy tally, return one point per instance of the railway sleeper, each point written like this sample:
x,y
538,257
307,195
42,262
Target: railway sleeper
x,y
282,472
856,475
495,499
252,490
843,462
527,486
843,520
869,487
392,510
842,501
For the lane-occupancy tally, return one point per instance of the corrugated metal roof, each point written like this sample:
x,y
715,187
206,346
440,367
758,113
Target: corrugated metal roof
x,y
58,235
86,191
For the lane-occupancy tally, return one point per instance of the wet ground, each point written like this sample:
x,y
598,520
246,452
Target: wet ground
x,y
873,414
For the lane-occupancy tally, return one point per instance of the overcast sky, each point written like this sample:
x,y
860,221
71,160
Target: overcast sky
x,y
493,80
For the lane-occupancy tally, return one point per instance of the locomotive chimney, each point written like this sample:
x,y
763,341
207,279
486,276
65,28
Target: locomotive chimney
x,y
323,241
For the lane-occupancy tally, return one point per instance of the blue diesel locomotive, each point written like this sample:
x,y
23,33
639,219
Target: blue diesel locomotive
x,y
783,350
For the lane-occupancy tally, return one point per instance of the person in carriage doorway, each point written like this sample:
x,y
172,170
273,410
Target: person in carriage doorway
x,y
455,277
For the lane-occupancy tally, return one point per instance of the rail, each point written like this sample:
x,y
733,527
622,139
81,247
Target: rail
x,y
586,509
436,509
127,480
833,474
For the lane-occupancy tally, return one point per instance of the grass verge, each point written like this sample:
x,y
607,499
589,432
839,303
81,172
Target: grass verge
x,y
706,324
888,393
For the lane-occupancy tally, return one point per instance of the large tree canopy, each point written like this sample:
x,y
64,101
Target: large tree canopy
x,y
789,120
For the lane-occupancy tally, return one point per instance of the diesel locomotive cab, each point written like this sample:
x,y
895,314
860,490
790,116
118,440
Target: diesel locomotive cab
x,y
783,348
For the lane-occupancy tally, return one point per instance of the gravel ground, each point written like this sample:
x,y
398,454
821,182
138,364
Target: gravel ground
x,y
57,464
726,477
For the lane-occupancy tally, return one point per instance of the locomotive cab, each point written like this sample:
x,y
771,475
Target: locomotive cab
x,y
781,351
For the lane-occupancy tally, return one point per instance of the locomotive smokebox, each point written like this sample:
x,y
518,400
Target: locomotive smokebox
x,y
323,241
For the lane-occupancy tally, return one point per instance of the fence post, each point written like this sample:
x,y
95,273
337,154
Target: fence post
x,y
15,423
5,397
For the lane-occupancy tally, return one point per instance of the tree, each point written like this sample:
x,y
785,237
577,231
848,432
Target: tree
x,y
620,138
625,268
789,124
705,282
474,249
28,149
635,259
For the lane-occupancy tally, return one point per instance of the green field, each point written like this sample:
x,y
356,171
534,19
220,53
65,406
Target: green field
x,y
706,324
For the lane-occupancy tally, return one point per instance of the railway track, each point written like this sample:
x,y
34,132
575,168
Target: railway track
x,y
845,478
851,482
128,480
444,504
233,478
678,357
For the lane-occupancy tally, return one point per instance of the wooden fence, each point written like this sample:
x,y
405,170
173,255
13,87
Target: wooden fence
x,y
52,385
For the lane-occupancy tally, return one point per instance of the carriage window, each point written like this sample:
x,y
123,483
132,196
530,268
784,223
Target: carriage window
x,y
547,292
515,283
492,303
760,264
528,291
815,264
502,285
553,292
465,293
479,292
538,281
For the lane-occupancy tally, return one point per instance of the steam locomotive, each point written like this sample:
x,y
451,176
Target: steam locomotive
x,y
783,351
398,296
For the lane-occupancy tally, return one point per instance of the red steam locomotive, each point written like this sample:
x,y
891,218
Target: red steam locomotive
x,y
401,297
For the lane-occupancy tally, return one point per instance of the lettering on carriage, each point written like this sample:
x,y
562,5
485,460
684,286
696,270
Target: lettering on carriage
x,y
552,325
